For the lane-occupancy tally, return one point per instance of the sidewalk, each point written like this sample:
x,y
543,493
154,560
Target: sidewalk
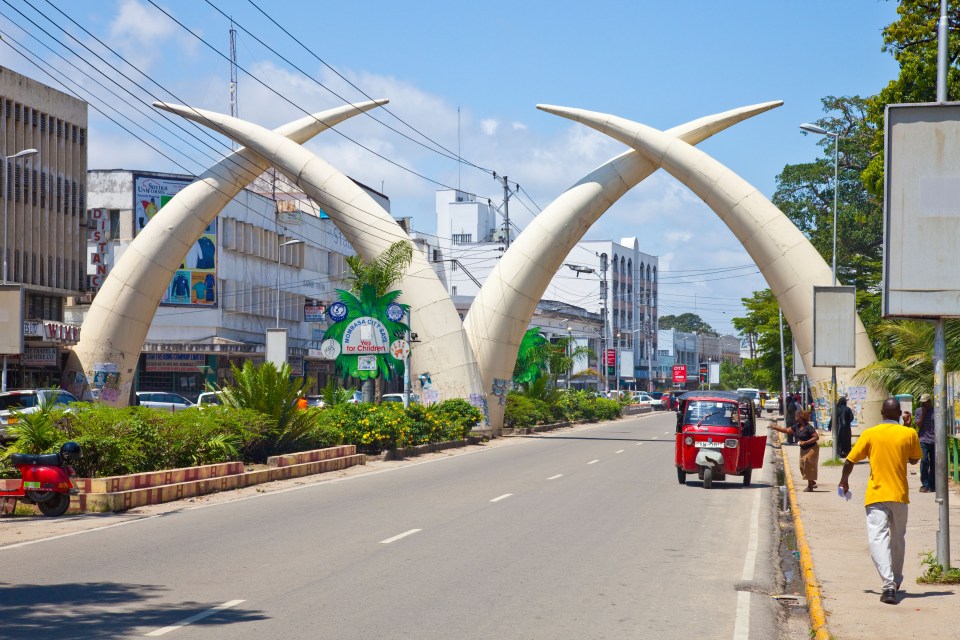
x,y
849,583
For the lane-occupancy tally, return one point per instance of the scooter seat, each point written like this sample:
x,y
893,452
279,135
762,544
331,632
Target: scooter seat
x,y
45,459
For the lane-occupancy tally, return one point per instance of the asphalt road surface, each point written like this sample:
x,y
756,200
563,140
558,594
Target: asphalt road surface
x,y
578,534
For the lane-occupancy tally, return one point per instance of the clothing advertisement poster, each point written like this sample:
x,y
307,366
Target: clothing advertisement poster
x,y
194,283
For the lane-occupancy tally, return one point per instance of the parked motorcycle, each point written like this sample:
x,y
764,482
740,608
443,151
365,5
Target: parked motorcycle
x,y
46,479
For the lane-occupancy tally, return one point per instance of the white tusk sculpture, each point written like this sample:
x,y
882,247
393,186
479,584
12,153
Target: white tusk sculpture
x,y
787,260
116,326
501,312
443,350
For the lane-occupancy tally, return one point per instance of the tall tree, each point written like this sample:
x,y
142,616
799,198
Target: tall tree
x,y
805,193
763,321
688,322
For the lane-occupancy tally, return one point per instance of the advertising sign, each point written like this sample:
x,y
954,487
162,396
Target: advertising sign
x,y
180,362
99,247
11,319
314,312
679,373
366,346
40,357
195,282
834,326
365,335
611,357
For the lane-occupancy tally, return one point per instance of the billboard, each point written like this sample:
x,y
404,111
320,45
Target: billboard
x,y
195,283
11,319
679,374
834,326
921,211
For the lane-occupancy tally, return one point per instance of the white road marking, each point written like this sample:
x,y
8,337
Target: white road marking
x,y
503,497
741,626
655,437
401,535
621,451
666,433
199,616
593,462
76,533
639,443
559,475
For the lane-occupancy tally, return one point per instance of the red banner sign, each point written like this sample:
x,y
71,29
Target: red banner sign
x,y
611,357
679,373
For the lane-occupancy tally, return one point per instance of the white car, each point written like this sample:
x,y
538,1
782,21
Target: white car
x,y
754,394
772,404
398,397
13,403
208,398
163,400
645,400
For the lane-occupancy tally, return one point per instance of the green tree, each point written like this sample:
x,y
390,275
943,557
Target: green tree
x,y
562,355
805,194
912,40
908,364
532,357
763,322
687,322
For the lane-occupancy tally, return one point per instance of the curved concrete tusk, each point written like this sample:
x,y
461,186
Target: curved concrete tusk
x,y
444,350
116,325
786,258
501,311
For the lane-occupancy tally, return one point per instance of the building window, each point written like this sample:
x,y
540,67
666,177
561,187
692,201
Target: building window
x,y
436,255
462,238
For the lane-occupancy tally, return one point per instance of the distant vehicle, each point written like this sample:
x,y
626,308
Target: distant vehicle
x,y
315,401
398,397
208,398
754,395
163,400
24,401
772,404
645,400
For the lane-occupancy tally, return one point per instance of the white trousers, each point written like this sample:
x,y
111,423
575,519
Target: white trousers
x,y
886,533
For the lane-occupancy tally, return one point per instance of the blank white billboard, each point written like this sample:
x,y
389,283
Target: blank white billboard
x,y
921,211
11,319
834,326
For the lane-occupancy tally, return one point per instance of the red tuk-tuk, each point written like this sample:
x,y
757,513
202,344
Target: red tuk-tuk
x,y
716,437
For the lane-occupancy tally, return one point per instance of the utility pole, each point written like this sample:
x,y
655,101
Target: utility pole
x,y
606,340
234,109
506,206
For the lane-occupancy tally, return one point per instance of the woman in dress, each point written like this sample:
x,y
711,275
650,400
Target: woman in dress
x,y
807,437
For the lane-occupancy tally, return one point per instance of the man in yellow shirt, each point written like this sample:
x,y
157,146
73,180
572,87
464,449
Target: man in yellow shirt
x,y
889,445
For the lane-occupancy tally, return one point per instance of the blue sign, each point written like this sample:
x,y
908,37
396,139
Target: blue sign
x,y
394,312
337,311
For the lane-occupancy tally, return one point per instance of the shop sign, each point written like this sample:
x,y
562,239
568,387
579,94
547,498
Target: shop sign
x,y
32,329
679,373
296,365
99,247
50,331
314,312
175,362
40,357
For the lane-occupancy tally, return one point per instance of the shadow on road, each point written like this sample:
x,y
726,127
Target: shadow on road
x,y
98,610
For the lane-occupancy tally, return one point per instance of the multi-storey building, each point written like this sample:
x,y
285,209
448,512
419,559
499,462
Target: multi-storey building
x,y
44,234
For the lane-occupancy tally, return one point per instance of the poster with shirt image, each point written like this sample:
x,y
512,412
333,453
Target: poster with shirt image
x,y
194,283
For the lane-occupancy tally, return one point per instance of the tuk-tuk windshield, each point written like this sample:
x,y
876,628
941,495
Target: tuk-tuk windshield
x,y
713,413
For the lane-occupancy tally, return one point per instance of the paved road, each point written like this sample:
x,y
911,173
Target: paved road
x,y
580,534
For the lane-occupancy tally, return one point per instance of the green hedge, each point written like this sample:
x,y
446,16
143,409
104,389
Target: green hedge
x,y
138,439
523,411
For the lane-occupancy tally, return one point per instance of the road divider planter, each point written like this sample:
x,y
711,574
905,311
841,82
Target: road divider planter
x,y
120,493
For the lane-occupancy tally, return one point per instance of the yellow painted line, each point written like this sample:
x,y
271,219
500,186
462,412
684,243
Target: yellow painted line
x,y
818,618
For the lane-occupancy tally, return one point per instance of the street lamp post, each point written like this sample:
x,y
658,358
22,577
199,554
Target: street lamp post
x,y
812,128
6,202
281,246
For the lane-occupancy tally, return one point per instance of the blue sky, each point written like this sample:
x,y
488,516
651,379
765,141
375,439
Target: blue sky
x,y
660,63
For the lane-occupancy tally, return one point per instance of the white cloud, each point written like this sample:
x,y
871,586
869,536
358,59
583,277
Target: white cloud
x,y
489,126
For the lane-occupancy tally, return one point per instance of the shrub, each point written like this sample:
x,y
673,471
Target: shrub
x,y
456,417
522,412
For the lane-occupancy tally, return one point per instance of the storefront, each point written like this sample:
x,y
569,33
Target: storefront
x,y
44,355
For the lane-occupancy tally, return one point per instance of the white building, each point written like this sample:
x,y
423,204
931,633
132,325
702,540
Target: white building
x,y
225,295
471,237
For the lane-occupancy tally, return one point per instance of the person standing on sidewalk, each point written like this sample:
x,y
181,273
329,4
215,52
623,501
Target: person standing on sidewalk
x,y
890,446
844,417
790,418
923,421
807,437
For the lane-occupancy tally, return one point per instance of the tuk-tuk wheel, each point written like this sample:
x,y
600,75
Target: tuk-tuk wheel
x,y
681,476
746,477
707,477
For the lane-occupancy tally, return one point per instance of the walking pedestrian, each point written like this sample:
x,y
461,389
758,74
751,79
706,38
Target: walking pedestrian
x,y
807,437
890,446
923,421
844,419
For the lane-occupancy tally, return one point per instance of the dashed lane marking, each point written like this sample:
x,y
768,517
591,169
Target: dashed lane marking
x,y
503,497
621,451
593,462
400,535
191,619
559,475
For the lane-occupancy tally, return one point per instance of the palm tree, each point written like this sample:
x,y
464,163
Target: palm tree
x,y
907,365
369,282
532,357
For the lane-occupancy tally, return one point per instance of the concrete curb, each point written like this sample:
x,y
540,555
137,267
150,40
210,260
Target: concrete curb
x,y
818,617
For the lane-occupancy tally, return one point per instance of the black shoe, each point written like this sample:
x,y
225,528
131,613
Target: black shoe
x,y
889,596
925,489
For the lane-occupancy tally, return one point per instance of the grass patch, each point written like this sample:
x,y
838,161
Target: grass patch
x,y
934,573
833,462
825,443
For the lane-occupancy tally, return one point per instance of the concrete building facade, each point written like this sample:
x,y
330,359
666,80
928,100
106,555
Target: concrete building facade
x,y
44,231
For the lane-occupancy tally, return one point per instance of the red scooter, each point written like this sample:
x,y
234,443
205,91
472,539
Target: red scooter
x,y
46,479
